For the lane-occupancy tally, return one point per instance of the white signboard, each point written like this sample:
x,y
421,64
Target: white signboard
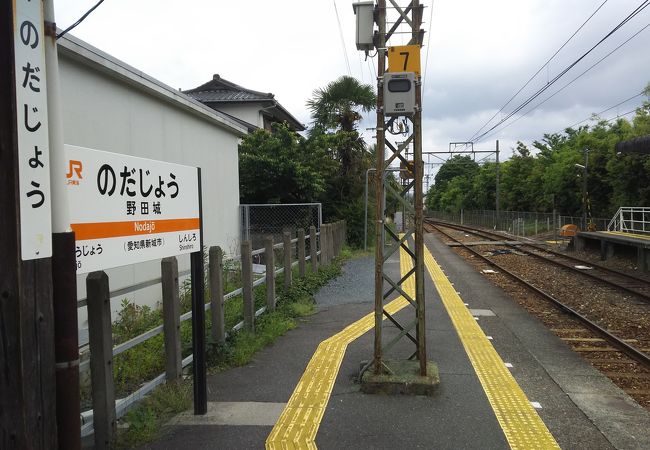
x,y
31,121
126,210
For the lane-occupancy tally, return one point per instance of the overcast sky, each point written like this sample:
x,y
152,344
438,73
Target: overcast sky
x,y
479,54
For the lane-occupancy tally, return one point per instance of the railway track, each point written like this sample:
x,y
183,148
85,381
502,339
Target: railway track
x,y
623,358
614,278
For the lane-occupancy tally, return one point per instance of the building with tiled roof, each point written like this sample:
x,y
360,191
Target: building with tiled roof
x,y
249,108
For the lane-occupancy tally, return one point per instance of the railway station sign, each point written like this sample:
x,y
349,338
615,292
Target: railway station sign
x,y
32,131
126,210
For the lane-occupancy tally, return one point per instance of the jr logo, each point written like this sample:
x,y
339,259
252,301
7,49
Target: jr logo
x,y
74,170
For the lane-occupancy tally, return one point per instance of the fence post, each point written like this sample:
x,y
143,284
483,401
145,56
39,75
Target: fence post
x,y
171,318
269,256
324,259
215,263
313,249
338,240
286,250
302,264
330,242
247,285
101,359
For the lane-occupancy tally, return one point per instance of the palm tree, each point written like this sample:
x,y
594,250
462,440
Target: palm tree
x,y
338,105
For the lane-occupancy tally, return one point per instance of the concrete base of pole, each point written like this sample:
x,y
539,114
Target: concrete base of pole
x,y
401,377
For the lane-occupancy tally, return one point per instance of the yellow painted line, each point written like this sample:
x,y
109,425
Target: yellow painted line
x,y
299,422
521,424
626,234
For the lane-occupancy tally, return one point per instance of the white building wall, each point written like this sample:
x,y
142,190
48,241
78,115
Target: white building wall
x,y
248,113
110,106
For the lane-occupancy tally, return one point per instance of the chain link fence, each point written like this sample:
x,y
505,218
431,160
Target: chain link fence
x,y
515,222
262,219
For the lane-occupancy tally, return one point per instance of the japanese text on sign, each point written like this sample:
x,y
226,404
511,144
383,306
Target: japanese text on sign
x,y
32,131
126,210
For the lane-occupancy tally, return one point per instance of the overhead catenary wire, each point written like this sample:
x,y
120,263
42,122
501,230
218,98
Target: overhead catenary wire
x,y
538,70
81,19
567,84
426,61
639,8
616,117
345,52
605,110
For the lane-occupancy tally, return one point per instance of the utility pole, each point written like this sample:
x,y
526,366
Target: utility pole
x,y
380,180
585,169
584,189
404,68
498,204
27,385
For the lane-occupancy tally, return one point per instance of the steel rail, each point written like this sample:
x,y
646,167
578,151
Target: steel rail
x,y
572,258
629,350
631,290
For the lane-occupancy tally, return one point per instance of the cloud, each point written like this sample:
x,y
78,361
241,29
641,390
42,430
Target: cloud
x,y
479,54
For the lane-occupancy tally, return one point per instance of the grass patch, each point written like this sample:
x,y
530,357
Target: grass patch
x,y
144,423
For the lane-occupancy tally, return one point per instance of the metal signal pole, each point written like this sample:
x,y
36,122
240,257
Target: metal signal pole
x,y
387,241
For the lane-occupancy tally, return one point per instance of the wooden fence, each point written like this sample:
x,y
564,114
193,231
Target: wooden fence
x,y
102,419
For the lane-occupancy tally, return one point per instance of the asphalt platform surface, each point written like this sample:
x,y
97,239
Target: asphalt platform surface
x,y
581,408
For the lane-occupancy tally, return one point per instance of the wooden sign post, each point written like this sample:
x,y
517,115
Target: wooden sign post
x,y
27,364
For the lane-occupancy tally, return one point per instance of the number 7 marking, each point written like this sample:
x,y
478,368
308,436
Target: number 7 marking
x,y
406,59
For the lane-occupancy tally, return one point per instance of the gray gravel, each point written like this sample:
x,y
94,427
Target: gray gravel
x,y
355,285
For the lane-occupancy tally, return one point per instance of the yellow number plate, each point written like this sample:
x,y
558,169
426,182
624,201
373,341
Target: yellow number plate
x,y
404,58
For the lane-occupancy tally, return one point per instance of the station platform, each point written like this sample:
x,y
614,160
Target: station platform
x,y
505,380
631,245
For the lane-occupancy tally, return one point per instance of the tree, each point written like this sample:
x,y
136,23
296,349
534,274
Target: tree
x,y
338,105
281,167
519,193
457,166
336,110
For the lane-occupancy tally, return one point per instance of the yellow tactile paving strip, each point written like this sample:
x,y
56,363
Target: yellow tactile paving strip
x,y
626,234
520,422
299,422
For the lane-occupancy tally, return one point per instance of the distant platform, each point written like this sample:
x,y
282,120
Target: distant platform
x,y
629,235
621,237
630,245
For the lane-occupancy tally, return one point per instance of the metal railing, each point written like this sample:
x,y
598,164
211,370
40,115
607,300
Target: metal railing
x,y
322,247
518,223
631,219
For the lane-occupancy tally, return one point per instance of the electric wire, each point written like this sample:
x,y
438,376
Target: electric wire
x,y
640,8
426,61
81,19
568,84
538,71
345,51
618,116
604,111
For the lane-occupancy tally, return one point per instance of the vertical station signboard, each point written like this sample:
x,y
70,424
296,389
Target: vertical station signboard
x,y
32,132
126,210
